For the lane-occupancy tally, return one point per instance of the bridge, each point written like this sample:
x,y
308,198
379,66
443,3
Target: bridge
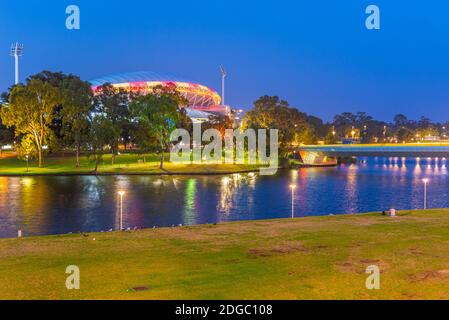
x,y
328,155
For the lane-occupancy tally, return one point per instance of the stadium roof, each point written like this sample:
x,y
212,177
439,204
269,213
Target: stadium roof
x,y
196,114
140,76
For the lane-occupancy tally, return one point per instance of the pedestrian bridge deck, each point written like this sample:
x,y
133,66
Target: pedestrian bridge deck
x,y
323,155
381,150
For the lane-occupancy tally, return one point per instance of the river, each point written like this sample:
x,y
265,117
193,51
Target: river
x,y
61,205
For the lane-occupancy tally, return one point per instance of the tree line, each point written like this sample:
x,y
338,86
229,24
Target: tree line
x,y
297,128
54,113
365,129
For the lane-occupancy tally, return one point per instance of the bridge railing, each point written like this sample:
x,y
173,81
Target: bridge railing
x,y
380,149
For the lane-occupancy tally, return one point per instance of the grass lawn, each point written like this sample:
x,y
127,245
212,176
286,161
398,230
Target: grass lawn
x,y
310,258
124,164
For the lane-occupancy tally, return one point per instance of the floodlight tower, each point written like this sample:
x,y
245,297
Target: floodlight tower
x,y
223,80
17,52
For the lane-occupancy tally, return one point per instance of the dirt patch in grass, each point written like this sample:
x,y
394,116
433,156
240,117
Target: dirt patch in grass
x,y
347,267
360,266
283,249
140,289
415,252
430,275
370,261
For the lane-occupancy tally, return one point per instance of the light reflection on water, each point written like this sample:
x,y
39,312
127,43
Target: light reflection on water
x,y
58,205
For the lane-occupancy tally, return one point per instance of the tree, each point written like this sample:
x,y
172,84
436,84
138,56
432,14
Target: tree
x,y
331,137
345,123
424,123
144,139
77,107
31,111
114,105
400,120
55,79
184,121
218,122
404,135
361,124
318,125
158,113
6,136
103,133
274,113
26,148
429,131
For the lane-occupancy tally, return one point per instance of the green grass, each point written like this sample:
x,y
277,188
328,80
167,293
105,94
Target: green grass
x,y
124,164
310,258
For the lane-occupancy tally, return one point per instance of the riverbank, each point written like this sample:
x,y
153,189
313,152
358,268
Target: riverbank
x,y
125,164
309,258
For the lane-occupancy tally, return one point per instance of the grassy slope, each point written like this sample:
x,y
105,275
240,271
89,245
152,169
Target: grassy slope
x,y
310,258
126,163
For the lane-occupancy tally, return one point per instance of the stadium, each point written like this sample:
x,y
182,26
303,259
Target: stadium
x,y
203,101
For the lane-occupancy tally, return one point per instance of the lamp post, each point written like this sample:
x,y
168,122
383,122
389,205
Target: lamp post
x,y
27,158
121,194
293,187
224,74
426,181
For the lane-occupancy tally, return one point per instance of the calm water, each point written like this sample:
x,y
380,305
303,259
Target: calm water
x,y
58,205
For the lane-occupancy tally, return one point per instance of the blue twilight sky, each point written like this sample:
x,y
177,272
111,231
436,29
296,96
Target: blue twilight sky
x,y
316,54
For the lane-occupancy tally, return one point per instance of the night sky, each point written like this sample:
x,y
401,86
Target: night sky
x,y
316,54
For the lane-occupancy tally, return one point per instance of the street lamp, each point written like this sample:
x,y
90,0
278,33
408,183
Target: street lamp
x,y
293,187
426,181
121,194
353,132
27,158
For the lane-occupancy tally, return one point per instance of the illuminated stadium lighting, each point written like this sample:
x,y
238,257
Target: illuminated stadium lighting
x,y
203,101
199,97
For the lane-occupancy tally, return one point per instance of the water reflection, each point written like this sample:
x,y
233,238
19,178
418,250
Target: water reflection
x,y
190,202
55,205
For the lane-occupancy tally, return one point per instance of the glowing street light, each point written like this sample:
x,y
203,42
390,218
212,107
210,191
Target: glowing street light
x,y
293,187
426,181
27,158
121,194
